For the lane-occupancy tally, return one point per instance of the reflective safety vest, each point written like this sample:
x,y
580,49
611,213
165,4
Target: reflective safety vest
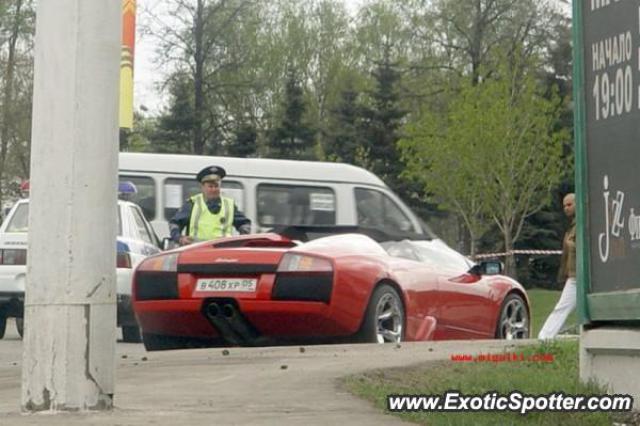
x,y
204,225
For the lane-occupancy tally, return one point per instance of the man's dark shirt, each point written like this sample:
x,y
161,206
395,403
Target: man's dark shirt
x,y
181,219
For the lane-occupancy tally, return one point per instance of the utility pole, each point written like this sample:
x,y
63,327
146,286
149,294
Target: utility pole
x,y
70,313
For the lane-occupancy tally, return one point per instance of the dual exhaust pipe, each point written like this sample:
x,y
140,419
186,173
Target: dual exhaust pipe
x,y
231,324
215,310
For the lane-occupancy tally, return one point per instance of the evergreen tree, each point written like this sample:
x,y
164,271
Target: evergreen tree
x,y
344,135
381,124
293,138
175,126
244,143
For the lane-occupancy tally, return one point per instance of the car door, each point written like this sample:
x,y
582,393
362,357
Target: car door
x,y
464,300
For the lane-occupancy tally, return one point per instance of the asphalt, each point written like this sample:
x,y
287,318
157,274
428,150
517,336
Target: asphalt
x,y
237,386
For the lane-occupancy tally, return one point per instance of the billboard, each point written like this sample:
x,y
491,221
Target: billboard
x,y
610,46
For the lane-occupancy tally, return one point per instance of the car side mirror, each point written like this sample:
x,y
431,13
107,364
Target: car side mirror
x,y
487,267
491,267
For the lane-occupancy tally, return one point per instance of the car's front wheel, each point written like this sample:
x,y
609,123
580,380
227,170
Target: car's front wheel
x,y
513,322
384,318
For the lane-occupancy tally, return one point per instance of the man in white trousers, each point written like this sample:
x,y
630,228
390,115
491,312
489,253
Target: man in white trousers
x,y
567,273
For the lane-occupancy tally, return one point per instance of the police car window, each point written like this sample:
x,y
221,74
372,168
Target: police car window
x,y
295,205
141,226
144,195
19,222
177,191
376,210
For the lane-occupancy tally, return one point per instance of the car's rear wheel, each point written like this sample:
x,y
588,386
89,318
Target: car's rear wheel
x,y
131,334
513,322
384,317
20,326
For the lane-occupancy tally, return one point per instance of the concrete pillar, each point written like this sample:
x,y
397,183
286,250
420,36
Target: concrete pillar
x,y
610,356
70,314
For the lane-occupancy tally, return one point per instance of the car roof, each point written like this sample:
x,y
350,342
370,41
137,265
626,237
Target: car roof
x,y
120,202
188,165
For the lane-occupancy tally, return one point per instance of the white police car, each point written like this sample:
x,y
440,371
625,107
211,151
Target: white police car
x,y
136,240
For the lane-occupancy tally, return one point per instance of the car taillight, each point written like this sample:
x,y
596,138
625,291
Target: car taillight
x,y
123,260
303,263
13,257
165,263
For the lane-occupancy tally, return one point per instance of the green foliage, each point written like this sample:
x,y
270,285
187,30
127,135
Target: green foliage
x,y
344,136
473,378
293,138
175,126
244,141
17,20
493,156
381,122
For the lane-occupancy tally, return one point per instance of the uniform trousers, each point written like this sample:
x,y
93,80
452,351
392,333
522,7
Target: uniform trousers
x,y
558,316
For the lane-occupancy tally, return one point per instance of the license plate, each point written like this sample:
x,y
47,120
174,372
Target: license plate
x,y
227,284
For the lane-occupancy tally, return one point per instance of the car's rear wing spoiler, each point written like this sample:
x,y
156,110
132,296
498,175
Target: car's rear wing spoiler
x,y
311,232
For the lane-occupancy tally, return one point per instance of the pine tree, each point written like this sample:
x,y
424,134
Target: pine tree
x,y
344,135
244,143
381,124
175,126
293,138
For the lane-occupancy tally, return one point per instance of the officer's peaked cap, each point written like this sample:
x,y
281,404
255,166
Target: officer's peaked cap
x,y
211,173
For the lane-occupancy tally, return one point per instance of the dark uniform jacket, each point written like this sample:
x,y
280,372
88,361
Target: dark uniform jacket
x,y
181,219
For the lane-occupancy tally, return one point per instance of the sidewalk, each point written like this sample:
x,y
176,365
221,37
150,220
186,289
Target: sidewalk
x,y
284,385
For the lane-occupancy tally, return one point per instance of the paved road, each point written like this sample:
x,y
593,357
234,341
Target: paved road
x,y
284,385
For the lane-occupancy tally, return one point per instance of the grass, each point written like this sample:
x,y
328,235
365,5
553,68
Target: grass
x,y
481,377
542,303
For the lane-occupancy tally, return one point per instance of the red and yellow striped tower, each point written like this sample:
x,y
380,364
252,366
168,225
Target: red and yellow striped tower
x,y
126,63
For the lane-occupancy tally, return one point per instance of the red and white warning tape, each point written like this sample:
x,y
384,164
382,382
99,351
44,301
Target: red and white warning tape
x,y
507,253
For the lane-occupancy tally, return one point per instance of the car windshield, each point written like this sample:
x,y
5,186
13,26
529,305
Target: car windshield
x,y
19,221
433,252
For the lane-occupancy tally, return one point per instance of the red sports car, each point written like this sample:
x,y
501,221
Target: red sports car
x,y
288,287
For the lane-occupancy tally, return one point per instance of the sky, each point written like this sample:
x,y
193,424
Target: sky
x,y
147,75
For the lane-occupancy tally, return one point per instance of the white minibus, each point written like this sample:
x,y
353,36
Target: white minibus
x,y
270,192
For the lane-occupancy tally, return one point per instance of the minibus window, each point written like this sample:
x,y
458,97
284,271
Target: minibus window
x,y
295,205
144,195
376,210
177,191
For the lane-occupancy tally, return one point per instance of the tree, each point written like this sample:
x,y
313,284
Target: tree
x,y
382,120
442,154
16,33
344,135
174,128
244,141
292,137
500,135
198,41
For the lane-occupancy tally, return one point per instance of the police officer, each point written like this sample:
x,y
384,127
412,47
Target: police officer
x,y
208,215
